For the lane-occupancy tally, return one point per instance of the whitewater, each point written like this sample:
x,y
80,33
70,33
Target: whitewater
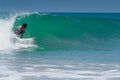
x,y
60,46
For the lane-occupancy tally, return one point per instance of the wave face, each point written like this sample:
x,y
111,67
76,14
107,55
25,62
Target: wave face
x,y
62,31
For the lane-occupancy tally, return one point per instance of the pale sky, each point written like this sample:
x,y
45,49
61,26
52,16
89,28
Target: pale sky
x,y
61,5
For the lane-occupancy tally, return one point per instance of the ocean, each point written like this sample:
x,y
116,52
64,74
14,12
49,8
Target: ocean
x,y
60,46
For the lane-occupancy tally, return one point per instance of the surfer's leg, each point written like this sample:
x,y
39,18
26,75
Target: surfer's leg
x,y
22,32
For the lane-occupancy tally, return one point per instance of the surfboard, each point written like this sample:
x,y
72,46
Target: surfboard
x,y
26,38
23,40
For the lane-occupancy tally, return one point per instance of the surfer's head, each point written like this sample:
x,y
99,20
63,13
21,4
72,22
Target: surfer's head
x,y
24,26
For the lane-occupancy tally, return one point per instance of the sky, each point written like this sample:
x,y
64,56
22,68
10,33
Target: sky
x,y
61,5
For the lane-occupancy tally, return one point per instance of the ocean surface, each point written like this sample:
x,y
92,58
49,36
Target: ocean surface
x,y
60,46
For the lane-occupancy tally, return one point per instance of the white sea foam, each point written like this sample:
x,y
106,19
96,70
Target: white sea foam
x,y
45,65
58,73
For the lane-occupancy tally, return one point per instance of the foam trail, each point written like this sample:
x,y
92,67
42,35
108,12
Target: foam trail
x,y
8,40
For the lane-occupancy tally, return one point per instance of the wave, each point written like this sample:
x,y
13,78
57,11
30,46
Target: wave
x,y
62,32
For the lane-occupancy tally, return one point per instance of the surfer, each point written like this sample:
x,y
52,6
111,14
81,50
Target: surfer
x,y
20,30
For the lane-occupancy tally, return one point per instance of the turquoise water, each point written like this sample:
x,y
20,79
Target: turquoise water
x,y
75,31
66,46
